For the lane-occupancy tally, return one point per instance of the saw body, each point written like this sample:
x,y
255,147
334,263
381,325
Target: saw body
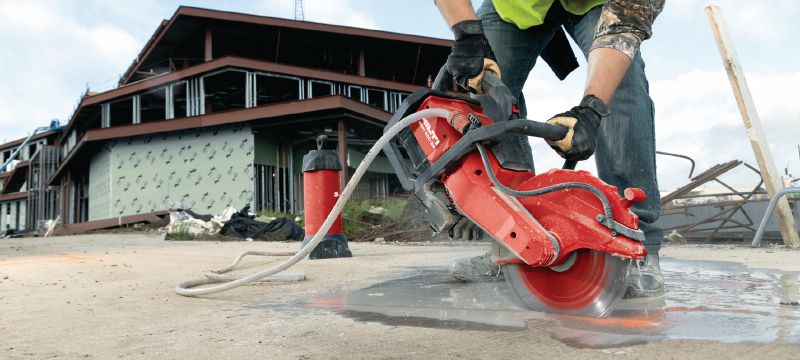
x,y
564,237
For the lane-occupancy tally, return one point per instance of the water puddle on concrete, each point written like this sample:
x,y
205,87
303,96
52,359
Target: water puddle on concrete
x,y
716,301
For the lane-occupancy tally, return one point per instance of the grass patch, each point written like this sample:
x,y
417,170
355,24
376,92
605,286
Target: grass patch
x,y
352,216
267,216
180,232
355,226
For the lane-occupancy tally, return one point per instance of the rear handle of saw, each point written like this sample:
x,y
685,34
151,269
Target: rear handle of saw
x,y
444,80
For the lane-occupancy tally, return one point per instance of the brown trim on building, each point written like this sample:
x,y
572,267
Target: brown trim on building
x,y
230,61
227,117
14,196
277,22
20,140
80,227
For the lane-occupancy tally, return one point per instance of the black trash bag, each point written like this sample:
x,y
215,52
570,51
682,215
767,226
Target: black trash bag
x,y
242,225
287,228
11,233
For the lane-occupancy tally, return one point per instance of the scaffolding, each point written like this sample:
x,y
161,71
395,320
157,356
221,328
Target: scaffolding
x,y
43,199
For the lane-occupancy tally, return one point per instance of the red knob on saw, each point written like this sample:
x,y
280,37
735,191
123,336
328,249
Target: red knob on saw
x,y
633,196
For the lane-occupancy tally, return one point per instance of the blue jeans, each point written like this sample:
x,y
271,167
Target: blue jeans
x,y
625,153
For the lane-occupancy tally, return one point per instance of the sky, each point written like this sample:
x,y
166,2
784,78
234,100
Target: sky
x,y
52,51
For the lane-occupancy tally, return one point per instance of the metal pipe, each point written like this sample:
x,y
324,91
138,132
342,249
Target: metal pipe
x,y
770,208
54,125
691,171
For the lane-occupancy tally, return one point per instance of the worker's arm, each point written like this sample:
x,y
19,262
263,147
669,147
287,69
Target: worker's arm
x,y
623,26
456,11
471,54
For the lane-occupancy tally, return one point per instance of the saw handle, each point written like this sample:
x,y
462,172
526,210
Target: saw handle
x,y
444,80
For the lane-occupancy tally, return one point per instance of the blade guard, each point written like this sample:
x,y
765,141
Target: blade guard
x,y
538,231
543,230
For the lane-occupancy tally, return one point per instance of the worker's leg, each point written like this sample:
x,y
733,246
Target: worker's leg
x,y
625,153
516,51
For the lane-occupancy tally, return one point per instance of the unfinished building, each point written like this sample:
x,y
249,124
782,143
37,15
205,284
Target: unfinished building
x,y
218,110
20,182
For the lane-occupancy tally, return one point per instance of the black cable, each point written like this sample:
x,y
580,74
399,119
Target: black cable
x,y
607,221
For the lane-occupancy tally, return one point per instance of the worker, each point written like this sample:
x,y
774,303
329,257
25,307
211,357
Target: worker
x,y
614,120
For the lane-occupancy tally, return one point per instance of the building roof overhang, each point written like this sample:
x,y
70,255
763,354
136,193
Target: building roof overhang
x,y
14,196
187,12
310,108
19,141
232,62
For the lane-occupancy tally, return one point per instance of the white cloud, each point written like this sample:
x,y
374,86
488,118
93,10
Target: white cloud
x,y
49,61
337,12
764,21
696,115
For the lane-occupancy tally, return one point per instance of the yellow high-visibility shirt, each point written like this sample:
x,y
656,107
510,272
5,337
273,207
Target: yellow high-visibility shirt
x,y
527,13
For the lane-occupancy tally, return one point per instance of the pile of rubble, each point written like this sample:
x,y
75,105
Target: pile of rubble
x,y
185,224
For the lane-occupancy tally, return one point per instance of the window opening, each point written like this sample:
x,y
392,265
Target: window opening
x,y
271,89
377,98
178,100
355,92
225,90
318,88
32,150
153,105
121,112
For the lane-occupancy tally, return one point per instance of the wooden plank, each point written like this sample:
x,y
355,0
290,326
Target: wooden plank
x,y
752,123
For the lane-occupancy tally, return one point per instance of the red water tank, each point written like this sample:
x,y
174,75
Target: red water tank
x,y
321,189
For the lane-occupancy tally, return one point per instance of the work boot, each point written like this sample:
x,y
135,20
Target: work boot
x,y
477,269
645,280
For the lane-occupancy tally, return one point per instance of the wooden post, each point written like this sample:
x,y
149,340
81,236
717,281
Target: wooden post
x,y
342,131
209,49
752,123
362,64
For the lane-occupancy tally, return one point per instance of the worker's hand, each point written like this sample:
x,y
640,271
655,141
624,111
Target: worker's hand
x,y
471,56
582,122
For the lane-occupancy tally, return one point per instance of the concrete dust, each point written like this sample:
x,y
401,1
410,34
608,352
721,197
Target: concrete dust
x,y
110,296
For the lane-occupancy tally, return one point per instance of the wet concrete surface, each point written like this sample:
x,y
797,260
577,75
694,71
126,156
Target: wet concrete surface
x,y
706,300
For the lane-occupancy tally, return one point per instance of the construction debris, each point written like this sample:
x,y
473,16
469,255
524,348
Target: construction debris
x,y
243,225
182,222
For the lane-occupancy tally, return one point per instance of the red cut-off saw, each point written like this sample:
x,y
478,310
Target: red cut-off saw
x,y
565,238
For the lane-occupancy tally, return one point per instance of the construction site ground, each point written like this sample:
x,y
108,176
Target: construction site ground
x,y
112,295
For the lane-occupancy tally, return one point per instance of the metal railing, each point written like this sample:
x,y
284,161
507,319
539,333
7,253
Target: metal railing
x,y
770,208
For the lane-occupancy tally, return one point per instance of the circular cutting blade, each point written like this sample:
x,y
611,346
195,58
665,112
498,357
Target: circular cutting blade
x,y
592,286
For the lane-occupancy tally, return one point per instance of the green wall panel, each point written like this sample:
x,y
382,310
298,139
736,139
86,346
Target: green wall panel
x,y
266,152
204,170
100,185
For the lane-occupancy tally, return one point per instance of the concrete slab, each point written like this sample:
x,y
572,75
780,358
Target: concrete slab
x,y
108,296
